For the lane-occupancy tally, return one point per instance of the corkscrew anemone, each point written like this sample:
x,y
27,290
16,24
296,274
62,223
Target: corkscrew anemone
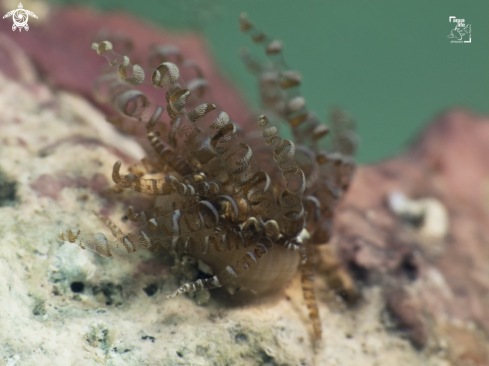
x,y
220,198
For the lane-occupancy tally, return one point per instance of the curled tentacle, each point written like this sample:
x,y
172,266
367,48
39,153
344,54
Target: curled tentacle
x,y
291,198
231,271
167,156
224,193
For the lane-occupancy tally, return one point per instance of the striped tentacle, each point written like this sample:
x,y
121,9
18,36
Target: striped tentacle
x,y
281,89
138,169
230,234
153,187
165,231
190,221
223,238
292,210
202,234
224,141
230,272
191,71
343,129
236,229
227,239
124,244
167,156
175,202
335,172
308,255
134,103
163,186
202,126
204,186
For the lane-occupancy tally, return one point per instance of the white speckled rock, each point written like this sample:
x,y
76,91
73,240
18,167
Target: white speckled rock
x,y
68,264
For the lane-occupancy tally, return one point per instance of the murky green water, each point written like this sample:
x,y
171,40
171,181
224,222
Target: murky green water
x,y
389,63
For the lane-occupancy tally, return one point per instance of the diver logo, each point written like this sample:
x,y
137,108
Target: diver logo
x,y
20,17
461,30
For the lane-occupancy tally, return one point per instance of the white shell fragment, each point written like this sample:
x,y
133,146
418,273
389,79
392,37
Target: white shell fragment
x,y
427,214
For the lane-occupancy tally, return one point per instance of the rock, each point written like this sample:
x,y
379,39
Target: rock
x,y
70,268
61,304
427,245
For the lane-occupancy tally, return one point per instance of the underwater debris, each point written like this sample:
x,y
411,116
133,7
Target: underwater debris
x,y
428,215
220,199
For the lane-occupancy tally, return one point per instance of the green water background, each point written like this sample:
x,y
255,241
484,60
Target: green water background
x,y
388,63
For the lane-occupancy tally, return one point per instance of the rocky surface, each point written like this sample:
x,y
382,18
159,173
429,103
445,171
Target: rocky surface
x,y
62,305
431,259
